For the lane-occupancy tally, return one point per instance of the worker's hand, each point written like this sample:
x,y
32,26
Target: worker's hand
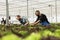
x,y
25,25
32,24
22,25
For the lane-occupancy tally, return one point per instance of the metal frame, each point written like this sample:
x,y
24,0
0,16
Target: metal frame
x,y
7,13
7,8
27,10
56,9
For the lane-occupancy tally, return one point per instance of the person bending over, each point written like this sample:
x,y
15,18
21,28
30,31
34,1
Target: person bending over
x,y
42,19
4,21
23,20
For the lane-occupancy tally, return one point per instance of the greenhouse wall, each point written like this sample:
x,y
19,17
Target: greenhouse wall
x,y
17,7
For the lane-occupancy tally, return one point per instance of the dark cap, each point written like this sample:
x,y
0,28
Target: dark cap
x,y
18,15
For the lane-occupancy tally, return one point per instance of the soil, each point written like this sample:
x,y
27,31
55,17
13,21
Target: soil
x,y
51,38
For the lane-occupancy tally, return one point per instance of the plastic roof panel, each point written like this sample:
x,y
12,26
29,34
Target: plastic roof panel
x,y
22,5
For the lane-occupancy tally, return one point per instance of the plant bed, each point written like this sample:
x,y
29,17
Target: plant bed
x,y
50,38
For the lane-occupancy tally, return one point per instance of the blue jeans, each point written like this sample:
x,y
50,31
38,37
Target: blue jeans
x,y
44,23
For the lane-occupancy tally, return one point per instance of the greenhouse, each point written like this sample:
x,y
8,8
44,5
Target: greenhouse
x,y
29,19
